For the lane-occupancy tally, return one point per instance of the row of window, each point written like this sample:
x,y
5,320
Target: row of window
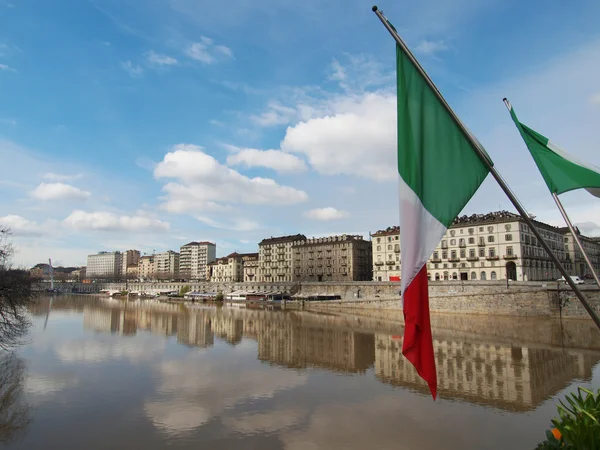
x,y
454,276
472,253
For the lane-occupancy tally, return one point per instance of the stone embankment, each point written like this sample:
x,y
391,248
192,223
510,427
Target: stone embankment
x,y
543,299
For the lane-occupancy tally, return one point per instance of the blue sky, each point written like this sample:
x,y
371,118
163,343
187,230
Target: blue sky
x,y
148,124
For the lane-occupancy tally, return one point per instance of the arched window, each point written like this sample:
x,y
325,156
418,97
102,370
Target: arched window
x,y
473,276
429,276
437,277
390,247
454,276
379,248
445,275
493,275
482,276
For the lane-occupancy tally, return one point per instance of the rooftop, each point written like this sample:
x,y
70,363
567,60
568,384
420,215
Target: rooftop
x,y
387,231
199,243
282,239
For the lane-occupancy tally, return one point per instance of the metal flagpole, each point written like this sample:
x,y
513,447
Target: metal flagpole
x,y
490,166
577,240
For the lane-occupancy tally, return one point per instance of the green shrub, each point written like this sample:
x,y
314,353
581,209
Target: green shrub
x,y
578,424
184,290
219,297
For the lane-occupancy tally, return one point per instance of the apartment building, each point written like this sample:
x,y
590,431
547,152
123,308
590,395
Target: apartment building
x,y
334,258
228,269
492,246
105,265
167,265
250,261
576,264
275,258
146,269
131,262
193,259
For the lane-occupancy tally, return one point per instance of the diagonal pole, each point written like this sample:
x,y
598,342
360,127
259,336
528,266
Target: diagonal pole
x,y
490,166
576,237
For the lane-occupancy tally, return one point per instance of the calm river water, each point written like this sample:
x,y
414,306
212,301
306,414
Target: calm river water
x,y
104,374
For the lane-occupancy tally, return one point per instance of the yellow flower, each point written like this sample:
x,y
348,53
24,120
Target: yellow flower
x,y
556,434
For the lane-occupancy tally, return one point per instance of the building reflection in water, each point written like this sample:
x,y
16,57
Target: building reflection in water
x,y
488,371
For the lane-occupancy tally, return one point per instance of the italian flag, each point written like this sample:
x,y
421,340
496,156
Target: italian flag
x,y
439,173
561,172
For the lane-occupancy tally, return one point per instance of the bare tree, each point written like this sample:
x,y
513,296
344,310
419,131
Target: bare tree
x,y
15,295
14,412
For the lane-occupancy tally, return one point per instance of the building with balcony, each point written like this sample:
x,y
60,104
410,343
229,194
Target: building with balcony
x,y
146,270
107,265
576,264
250,261
493,246
193,259
229,269
131,262
275,258
166,265
334,258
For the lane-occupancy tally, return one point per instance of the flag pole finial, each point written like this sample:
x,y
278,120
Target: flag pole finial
x,y
374,8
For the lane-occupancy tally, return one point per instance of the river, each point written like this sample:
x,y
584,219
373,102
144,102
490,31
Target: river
x,y
100,373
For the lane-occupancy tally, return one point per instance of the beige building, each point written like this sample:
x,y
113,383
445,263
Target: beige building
x,y
250,261
492,246
131,259
229,269
167,265
275,258
193,259
334,258
146,269
576,265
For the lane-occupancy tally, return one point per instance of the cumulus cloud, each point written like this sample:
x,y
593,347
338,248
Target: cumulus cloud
x,y
359,138
272,159
134,70
20,226
59,191
62,177
276,114
203,184
107,221
325,214
159,59
207,52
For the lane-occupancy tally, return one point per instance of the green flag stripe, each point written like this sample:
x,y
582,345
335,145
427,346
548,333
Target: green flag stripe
x,y
433,152
558,169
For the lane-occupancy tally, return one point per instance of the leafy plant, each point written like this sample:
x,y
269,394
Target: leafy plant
x,y
219,297
184,290
578,424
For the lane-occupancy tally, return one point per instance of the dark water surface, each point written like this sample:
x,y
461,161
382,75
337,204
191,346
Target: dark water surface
x,y
105,374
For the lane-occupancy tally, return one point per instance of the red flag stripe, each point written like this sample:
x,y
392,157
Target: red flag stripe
x,y
418,342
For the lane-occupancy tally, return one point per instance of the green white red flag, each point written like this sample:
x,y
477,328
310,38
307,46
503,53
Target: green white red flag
x,y
440,171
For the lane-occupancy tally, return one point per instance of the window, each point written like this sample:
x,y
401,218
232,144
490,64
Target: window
x,y
471,230
379,248
436,255
445,254
378,257
452,241
453,254
493,275
509,250
482,276
462,231
436,265
481,229
445,267
508,237
463,253
490,229
507,227
452,232
490,238
473,275
482,252
389,247
454,276
471,240
444,244
481,240
461,242
389,238
492,252
397,247
378,240
472,253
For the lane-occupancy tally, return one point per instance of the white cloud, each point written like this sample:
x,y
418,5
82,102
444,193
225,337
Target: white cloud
x,y
107,221
216,122
325,214
204,184
359,138
273,159
235,225
207,52
6,68
134,70
59,191
595,99
276,114
159,59
338,71
20,226
62,177
426,47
